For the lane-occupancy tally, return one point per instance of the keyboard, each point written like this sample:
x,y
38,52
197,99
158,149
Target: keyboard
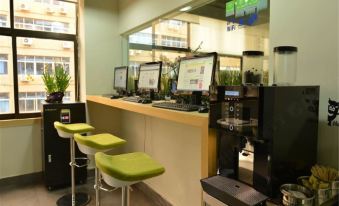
x,y
176,106
132,99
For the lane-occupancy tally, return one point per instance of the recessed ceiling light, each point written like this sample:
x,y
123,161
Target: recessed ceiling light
x,y
186,8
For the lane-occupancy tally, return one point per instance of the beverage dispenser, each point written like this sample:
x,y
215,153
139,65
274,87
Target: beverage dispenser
x,y
267,136
252,67
285,65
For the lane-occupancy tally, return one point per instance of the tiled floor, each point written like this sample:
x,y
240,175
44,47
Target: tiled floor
x,y
38,195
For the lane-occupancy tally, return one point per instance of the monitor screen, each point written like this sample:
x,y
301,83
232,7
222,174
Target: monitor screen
x,y
195,74
120,77
149,76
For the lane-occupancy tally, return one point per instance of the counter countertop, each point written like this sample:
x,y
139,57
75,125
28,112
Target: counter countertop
x,y
190,118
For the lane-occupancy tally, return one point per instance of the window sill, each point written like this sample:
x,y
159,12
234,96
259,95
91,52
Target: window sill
x,y
19,122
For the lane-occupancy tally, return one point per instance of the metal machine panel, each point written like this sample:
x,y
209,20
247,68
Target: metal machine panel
x,y
56,150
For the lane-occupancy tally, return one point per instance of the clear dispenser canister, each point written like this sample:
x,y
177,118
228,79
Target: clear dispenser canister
x,y
252,67
285,65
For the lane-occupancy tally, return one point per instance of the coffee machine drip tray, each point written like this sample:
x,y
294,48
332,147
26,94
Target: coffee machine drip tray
x,y
232,192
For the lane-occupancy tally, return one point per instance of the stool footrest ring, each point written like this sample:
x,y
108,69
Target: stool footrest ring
x,y
82,165
106,189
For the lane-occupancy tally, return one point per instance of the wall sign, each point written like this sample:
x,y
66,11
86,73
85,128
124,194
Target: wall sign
x,y
243,12
333,108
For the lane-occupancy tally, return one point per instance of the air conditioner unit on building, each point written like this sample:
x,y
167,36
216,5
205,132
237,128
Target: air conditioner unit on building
x,y
67,45
27,41
63,10
24,6
50,10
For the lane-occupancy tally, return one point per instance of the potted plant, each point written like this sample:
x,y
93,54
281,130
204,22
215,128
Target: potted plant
x,y
165,86
56,84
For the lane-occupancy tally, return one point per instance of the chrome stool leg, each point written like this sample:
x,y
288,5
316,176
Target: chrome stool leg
x,y
125,196
74,199
72,170
97,186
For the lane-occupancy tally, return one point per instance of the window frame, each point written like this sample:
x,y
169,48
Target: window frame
x,y
14,33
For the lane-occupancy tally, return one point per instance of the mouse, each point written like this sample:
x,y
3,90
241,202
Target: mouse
x,y
203,110
146,101
115,97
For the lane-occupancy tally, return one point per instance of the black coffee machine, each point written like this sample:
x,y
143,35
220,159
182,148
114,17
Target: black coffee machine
x,y
267,136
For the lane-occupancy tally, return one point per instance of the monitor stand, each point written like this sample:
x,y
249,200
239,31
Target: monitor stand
x,y
122,92
151,94
136,86
196,98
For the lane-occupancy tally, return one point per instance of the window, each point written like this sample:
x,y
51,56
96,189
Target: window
x,y
142,37
36,65
41,25
30,69
31,101
4,103
165,40
3,20
67,97
171,33
3,64
6,76
4,13
50,43
45,15
173,41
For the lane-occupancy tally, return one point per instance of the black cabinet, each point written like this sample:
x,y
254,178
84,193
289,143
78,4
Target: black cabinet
x,y
56,150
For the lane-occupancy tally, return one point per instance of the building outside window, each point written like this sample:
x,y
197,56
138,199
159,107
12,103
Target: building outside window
x,y
4,102
41,25
165,38
36,65
30,69
3,64
31,101
3,20
50,43
143,37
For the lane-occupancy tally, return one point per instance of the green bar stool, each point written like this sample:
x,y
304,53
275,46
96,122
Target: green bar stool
x,y
97,143
68,131
127,169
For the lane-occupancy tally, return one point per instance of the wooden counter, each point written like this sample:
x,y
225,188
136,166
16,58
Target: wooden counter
x,y
198,121
190,118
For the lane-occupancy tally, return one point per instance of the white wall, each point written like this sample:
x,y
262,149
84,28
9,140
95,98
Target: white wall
x,y
313,28
20,149
103,45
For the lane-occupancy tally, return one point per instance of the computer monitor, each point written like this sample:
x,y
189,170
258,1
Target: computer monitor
x,y
149,76
196,73
120,79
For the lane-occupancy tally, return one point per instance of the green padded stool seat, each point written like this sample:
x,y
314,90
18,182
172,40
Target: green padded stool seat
x,y
127,169
68,130
95,143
